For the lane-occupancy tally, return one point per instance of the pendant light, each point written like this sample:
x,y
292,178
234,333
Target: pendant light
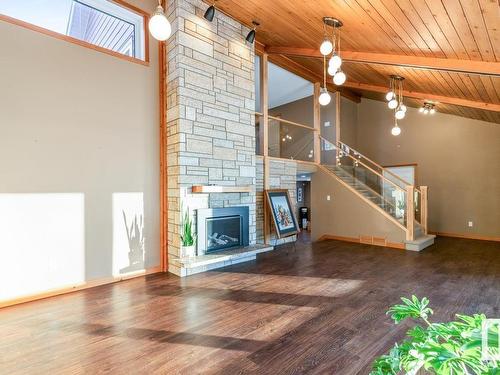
x,y
159,27
395,97
327,47
324,96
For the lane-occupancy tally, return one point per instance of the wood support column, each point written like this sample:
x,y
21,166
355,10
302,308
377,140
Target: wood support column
x,y
423,208
264,135
162,89
337,123
410,213
317,123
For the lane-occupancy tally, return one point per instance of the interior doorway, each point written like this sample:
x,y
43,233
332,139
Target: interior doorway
x,y
303,195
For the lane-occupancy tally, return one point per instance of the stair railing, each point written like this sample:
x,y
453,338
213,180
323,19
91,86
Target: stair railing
x,y
406,193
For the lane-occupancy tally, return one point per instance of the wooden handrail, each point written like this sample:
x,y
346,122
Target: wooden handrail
x,y
292,123
378,165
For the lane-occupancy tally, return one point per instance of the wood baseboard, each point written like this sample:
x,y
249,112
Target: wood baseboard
x,y
75,288
469,236
376,241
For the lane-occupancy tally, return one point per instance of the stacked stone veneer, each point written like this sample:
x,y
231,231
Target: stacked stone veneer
x,y
210,121
282,175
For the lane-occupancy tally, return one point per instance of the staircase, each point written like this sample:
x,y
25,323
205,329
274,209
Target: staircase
x,y
393,197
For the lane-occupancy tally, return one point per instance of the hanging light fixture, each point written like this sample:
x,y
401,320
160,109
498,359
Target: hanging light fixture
x,y
335,61
427,108
395,97
327,47
251,35
210,13
324,96
159,27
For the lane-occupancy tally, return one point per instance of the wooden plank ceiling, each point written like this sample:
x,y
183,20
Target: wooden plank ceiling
x,y
454,29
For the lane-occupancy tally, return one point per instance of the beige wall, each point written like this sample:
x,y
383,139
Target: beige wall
x,y
345,214
458,159
79,149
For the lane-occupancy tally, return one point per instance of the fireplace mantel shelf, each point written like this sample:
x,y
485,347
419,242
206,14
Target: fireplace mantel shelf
x,y
221,189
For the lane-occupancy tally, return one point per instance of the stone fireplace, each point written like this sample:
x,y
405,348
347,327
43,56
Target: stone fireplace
x,y
222,228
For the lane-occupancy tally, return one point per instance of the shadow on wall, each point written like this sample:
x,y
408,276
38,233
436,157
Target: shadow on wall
x,y
135,236
61,240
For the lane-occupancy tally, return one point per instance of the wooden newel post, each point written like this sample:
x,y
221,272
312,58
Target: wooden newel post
x,y
410,213
423,208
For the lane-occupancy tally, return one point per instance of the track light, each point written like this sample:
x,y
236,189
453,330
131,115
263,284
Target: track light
x,y
210,13
427,108
159,27
251,35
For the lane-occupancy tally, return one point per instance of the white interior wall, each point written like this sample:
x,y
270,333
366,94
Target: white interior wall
x,y
79,155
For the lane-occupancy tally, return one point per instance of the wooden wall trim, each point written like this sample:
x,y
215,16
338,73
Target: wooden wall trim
x,y
468,236
77,287
42,30
375,242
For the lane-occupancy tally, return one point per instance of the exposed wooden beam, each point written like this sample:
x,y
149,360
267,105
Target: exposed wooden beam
x,y
418,62
430,97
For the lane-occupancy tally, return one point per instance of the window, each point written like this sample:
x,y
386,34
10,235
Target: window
x,y
101,23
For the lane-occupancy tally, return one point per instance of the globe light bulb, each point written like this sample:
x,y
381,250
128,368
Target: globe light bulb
x,y
432,111
400,114
159,27
335,61
324,97
326,47
396,130
339,78
393,104
421,109
389,96
426,111
403,108
331,70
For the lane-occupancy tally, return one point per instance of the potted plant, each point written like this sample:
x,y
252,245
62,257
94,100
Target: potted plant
x,y
451,348
188,236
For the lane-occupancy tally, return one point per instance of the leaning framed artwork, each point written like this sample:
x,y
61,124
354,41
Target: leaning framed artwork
x,y
284,218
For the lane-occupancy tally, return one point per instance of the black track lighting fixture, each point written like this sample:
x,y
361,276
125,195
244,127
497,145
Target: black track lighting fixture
x,y
251,35
210,13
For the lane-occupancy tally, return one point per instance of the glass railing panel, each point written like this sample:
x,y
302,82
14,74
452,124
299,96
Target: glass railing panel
x,y
290,141
366,179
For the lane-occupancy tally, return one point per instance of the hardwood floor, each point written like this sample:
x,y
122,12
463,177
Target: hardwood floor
x,y
317,310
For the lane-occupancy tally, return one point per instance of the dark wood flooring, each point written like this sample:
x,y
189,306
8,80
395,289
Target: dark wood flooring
x,y
319,310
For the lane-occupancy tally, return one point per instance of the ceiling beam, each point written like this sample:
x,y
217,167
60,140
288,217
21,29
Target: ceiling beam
x,y
429,97
417,62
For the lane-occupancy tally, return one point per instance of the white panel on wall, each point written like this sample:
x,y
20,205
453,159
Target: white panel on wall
x,y
42,242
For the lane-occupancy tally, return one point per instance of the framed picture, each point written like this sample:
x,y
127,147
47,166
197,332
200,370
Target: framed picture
x,y
284,218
